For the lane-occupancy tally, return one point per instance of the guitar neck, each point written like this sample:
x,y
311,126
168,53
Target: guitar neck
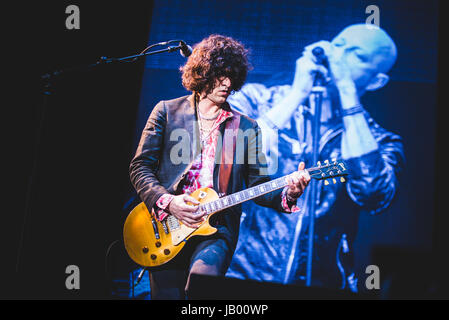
x,y
251,193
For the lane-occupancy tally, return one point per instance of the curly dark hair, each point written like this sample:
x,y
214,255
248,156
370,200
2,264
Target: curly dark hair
x,y
215,57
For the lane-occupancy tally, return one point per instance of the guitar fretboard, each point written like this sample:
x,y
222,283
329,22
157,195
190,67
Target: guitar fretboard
x,y
322,172
249,194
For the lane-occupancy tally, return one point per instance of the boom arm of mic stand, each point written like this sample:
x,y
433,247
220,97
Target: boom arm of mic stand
x,y
134,57
103,60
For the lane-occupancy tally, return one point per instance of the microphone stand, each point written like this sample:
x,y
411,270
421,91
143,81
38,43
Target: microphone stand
x,y
105,60
47,91
317,92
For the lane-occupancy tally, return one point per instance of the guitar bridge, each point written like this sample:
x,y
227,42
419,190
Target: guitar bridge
x,y
173,223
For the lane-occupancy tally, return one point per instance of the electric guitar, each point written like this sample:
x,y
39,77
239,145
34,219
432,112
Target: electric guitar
x,y
151,243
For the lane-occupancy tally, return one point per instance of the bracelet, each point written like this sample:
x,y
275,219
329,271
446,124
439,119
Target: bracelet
x,y
349,112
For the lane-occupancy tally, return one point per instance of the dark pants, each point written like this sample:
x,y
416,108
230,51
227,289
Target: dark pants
x,y
208,257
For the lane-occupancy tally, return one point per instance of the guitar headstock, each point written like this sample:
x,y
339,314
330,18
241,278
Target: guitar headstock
x,y
329,170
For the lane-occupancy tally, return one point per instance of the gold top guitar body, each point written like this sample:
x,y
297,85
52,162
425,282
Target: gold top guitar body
x,y
150,242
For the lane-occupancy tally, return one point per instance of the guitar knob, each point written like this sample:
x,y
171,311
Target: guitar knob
x,y
158,244
166,252
145,249
153,257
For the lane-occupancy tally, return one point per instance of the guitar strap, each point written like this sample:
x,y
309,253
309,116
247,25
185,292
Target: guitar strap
x,y
227,152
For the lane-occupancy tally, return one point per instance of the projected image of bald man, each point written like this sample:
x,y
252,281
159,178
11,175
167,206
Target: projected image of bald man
x,y
358,61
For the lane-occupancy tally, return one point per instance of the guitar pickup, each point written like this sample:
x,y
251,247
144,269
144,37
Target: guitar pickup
x,y
156,231
164,225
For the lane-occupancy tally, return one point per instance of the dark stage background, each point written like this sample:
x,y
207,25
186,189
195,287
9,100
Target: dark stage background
x,y
92,121
81,180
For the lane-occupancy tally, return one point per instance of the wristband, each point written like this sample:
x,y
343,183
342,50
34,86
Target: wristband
x,y
349,112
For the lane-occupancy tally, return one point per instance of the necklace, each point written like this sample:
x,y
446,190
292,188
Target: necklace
x,y
204,133
208,118
203,136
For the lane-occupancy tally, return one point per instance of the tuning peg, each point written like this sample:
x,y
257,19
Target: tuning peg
x,y
319,163
342,179
326,162
334,181
334,160
326,183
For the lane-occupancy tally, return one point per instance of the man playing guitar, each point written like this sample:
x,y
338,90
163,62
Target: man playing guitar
x,y
217,67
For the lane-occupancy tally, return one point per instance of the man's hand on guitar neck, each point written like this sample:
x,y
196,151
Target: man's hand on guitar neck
x,y
297,182
184,212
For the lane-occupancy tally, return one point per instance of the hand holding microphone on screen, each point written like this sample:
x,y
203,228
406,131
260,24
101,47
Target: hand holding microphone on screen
x,y
321,64
307,67
324,60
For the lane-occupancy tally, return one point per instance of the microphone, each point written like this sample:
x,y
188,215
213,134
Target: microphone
x,y
186,50
320,56
321,59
